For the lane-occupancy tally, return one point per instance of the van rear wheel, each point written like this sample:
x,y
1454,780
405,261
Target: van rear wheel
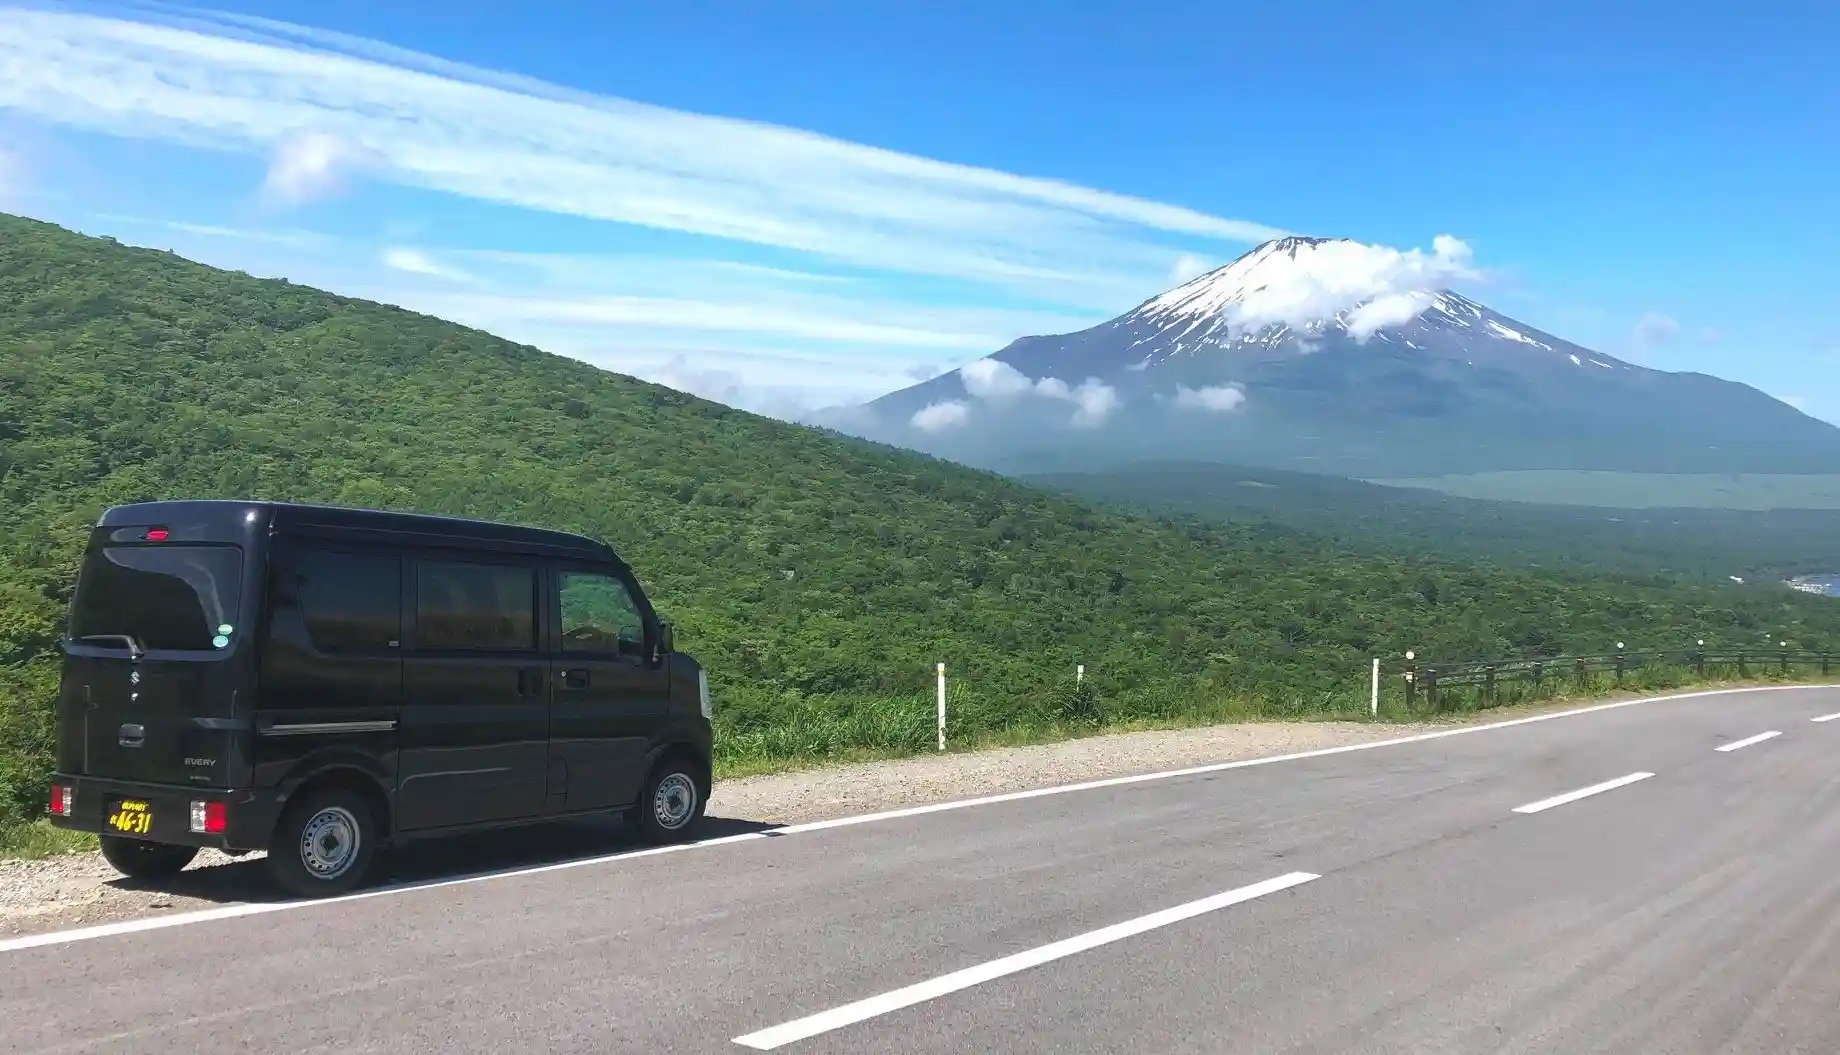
x,y
324,844
140,859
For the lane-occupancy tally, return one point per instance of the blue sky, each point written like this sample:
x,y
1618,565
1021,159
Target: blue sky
x,y
784,205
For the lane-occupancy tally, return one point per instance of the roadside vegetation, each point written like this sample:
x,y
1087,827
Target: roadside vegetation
x,y
820,579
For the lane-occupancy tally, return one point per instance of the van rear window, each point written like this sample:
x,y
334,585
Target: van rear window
x,y
177,598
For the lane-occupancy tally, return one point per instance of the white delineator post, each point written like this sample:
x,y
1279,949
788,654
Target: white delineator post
x,y
1079,674
1374,704
942,706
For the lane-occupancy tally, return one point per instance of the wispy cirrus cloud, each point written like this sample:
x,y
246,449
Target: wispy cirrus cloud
x,y
314,101
414,261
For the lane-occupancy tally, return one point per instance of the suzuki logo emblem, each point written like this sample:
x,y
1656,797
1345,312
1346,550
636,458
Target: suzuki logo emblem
x,y
134,678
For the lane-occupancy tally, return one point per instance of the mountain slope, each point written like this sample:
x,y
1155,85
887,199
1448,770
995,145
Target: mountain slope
x,y
1707,544
129,374
1289,358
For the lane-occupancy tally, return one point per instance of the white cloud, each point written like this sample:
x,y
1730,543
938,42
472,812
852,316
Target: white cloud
x,y
1096,400
936,416
312,165
1389,309
318,103
1215,398
418,262
993,379
1310,283
997,381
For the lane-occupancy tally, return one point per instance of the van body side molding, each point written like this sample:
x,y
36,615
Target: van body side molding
x,y
327,728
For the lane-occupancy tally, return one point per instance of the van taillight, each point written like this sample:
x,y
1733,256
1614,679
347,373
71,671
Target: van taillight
x,y
60,800
208,817
156,535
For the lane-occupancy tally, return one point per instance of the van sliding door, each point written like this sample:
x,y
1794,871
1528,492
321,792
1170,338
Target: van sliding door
x,y
475,728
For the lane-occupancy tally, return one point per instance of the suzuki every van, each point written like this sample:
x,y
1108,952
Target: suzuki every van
x,y
321,683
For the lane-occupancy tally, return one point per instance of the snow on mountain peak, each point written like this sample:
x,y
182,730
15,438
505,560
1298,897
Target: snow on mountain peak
x,y
1305,282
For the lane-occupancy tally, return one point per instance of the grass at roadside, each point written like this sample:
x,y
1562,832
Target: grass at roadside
x,y
834,732
40,839
825,733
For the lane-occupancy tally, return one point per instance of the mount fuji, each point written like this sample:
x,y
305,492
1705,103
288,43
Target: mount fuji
x,y
1332,356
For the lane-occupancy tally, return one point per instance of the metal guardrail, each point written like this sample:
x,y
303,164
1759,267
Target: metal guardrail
x,y
1429,679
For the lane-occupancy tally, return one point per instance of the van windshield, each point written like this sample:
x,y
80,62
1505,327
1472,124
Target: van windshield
x,y
178,598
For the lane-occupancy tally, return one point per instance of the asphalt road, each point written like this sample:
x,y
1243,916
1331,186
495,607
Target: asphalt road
x,y
1379,900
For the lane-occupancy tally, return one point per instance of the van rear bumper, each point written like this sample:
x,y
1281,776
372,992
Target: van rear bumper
x,y
249,816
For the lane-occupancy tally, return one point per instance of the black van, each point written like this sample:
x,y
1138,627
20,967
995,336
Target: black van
x,y
320,682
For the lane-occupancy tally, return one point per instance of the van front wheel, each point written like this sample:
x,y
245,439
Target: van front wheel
x,y
672,802
140,859
324,844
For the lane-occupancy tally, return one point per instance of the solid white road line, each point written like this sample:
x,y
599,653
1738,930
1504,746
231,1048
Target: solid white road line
x,y
133,926
848,1014
232,911
1581,793
1826,717
1749,740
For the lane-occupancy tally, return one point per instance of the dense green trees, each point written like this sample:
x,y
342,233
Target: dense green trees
x,y
819,578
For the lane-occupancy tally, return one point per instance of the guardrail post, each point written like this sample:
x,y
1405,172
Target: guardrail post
x,y
1619,668
942,707
1785,661
1431,699
1488,682
1578,672
1824,664
1699,662
1539,676
1374,702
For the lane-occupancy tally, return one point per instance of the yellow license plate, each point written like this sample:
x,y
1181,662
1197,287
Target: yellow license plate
x,y
132,817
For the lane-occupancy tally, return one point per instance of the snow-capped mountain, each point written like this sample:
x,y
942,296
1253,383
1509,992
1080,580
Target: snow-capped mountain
x,y
1334,356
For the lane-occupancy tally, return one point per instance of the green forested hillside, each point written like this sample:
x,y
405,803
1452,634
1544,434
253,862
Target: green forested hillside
x,y
1762,545
818,578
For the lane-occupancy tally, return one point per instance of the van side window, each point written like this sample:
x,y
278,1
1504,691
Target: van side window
x,y
351,602
475,607
599,614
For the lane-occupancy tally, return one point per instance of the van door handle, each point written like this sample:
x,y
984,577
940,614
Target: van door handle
x,y
575,679
131,736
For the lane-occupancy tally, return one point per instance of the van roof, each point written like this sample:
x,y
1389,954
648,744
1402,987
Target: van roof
x,y
287,517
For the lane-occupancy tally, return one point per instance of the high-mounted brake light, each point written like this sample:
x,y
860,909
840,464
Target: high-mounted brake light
x,y
156,535
208,817
60,800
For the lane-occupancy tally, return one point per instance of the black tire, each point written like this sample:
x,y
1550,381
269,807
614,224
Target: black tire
x,y
324,845
140,859
672,802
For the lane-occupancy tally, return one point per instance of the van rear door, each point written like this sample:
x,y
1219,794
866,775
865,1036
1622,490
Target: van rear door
x,y
149,673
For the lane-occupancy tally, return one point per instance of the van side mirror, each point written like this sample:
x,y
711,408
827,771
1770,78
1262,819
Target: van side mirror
x,y
667,637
